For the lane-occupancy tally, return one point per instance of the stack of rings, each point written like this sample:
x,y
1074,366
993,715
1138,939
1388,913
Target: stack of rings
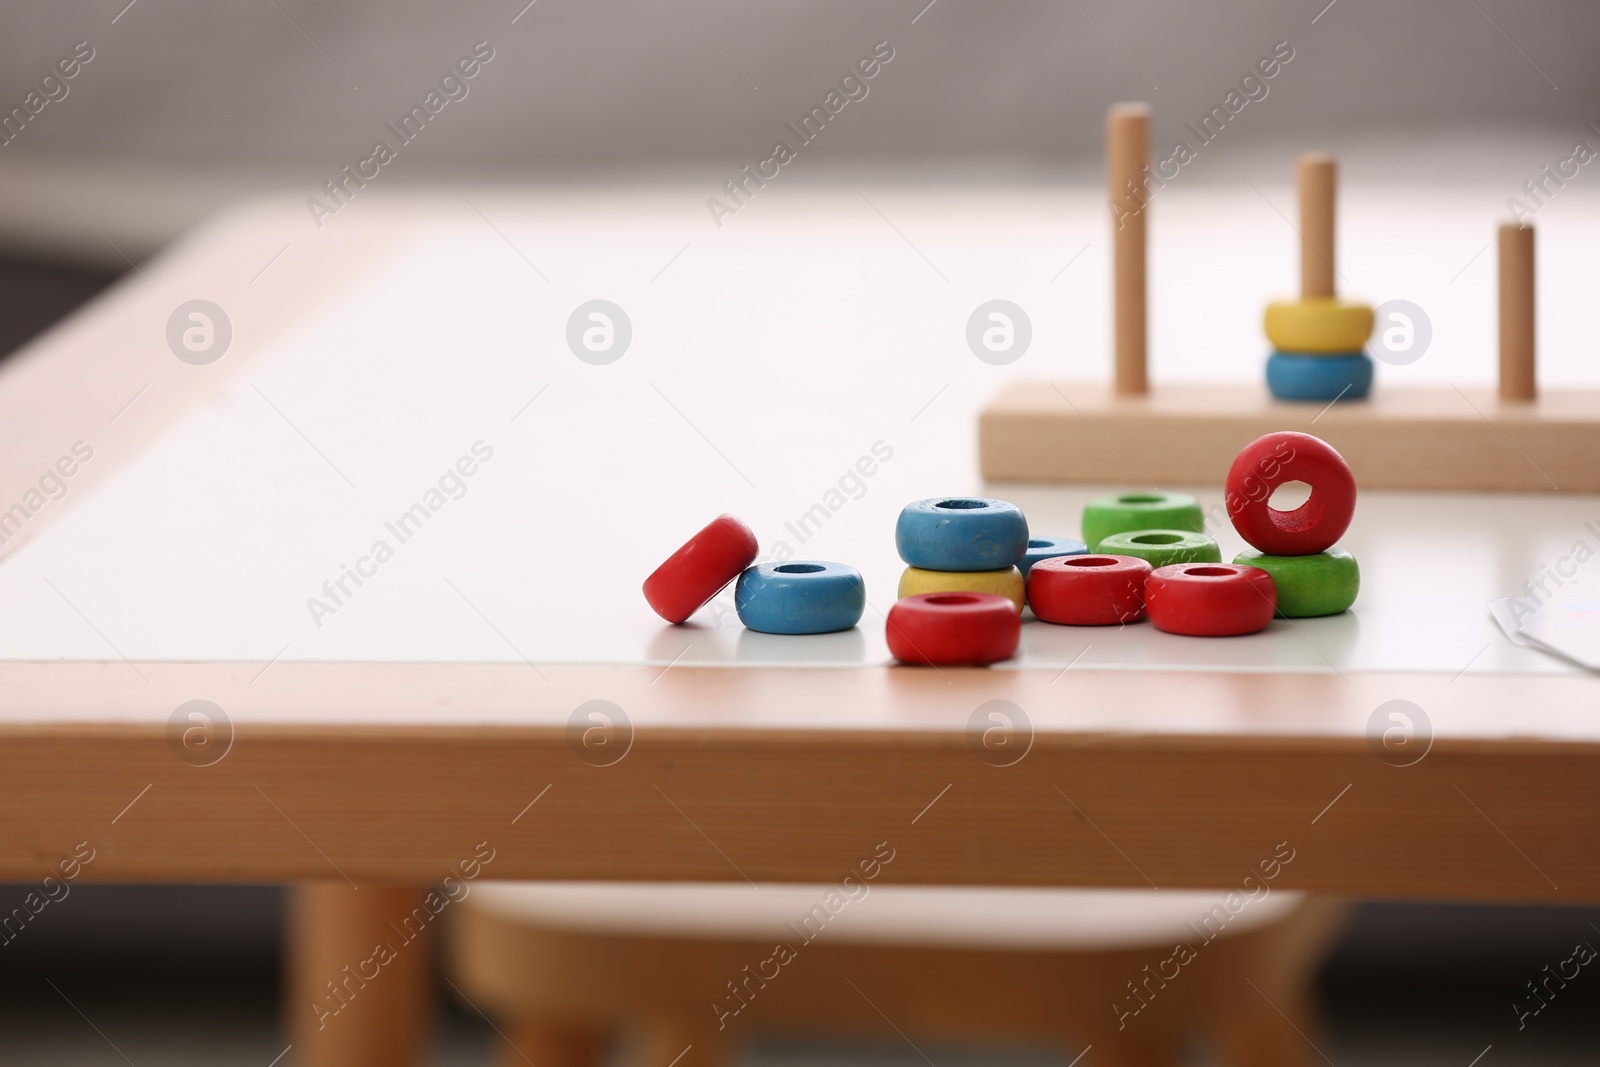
x,y
1319,349
1296,547
962,545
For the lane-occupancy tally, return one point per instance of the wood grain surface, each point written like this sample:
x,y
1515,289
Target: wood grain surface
x,y
1400,438
391,774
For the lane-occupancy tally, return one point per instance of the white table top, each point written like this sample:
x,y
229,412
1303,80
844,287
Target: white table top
x,y
767,358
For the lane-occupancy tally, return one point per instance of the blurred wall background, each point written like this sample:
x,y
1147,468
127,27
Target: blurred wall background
x,y
186,105
628,83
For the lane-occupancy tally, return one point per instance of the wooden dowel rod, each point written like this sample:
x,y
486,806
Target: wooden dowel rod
x,y
1517,373
1317,175
1127,154
338,1016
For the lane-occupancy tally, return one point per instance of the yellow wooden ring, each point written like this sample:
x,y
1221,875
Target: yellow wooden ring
x,y
1007,583
1330,325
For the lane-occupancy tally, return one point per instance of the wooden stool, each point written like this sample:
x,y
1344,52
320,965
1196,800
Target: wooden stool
x,y
693,970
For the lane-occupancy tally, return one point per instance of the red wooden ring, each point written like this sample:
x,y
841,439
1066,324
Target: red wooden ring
x,y
1286,456
1100,590
946,629
697,572
1210,599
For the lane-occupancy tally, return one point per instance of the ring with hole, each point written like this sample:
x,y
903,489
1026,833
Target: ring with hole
x,y
1159,548
961,534
802,597
1088,590
1121,512
1041,548
1210,600
1008,583
1288,456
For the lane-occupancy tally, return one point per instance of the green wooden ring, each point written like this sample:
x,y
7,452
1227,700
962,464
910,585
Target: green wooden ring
x,y
1322,584
1161,548
1123,512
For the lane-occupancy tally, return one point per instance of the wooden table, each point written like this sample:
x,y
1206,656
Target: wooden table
x,y
806,367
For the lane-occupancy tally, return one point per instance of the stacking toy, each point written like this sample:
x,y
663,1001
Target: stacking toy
x,y
800,597
697,572
1318,339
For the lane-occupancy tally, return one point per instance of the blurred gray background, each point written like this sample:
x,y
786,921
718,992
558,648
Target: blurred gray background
x,y
621,84
187,106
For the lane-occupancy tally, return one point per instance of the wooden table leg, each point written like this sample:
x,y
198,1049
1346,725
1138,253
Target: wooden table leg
x,y
359,976
679,1043
550,1045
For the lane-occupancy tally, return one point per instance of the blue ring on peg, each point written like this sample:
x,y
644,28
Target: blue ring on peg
x,y
1049,548
1302,376
961,533
800,597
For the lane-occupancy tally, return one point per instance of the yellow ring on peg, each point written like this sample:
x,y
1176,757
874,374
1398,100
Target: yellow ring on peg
x,y
1007,583
1312,326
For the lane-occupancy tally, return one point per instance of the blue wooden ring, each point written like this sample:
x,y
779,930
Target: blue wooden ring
x,y
1302,376
1049,548
800,597
961,533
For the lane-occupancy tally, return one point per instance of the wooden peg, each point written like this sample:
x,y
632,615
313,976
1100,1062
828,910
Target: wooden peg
x,y
1517,372
1127,155
1317,175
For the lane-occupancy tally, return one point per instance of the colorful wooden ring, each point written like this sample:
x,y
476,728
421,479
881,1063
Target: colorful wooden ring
x,y
1321,325
1007,583
946,629
1049,548
697,572
1124,512
801,597
961,534
1088,590
1160,548
1288,456
1299,376
1210,599
1325,583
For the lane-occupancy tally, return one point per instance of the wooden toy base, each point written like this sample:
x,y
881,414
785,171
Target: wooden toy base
x,y
1420,438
